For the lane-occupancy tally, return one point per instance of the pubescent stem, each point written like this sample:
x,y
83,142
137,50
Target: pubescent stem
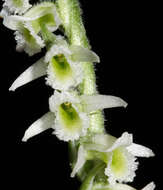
x,y
70,15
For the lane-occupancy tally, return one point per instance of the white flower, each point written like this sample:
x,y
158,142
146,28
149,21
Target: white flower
x,y
65,69
71,117
17,6
41,67
70,123
117,186
29,26
119,155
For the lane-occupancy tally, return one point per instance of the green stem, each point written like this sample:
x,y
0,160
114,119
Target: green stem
x,y
70,15
88,182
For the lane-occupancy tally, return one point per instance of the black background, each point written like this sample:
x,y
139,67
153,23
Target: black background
x,y
126,37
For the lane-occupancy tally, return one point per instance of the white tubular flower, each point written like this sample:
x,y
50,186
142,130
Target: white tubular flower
x,y
35,71
64,70
117,186
72,116
17,6
70,122
42,124
29,25
119,155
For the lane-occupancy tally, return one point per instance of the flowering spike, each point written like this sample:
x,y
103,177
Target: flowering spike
x,y
100,160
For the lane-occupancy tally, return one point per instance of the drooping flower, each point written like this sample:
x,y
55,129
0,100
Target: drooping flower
x,y
71,113
118,154
17,6
29,25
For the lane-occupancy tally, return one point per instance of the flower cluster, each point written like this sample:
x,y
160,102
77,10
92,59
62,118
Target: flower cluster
x,y
70,110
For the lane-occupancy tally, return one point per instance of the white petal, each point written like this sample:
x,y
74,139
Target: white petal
x,y
96,102
81,54
140,151
80,161
125,140
42,124
150,186
33,72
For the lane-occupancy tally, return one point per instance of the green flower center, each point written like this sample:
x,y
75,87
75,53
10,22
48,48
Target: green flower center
x,y
61,67
119,163
69,117
18,3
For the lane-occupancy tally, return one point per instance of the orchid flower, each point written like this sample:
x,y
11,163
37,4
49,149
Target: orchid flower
x,y
71,114
64,68
29,25
119,154
61,64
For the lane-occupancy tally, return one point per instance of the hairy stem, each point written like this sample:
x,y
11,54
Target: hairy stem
x,y
70,14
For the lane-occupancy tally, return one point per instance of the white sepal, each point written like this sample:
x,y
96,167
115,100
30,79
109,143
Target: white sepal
x,y
42,124
140,151
150,186
35,71
96,102
81,54
80,161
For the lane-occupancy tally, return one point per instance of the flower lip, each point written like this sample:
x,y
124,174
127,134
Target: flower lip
x,y
70,122
63,73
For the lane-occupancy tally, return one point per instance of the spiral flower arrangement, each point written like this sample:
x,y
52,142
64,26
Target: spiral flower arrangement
x,y
100,160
